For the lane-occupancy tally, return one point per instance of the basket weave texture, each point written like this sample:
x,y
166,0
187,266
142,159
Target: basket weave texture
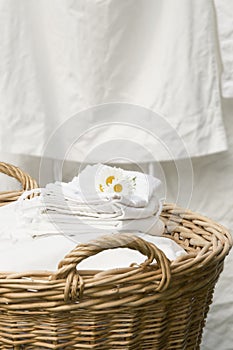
x,y
159,306
27,183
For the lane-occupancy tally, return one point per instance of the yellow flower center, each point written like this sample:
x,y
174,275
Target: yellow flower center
x,y
118,188
101,188
109,180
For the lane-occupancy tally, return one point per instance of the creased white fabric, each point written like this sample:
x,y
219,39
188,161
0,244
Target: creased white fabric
x,y
58,57
224,12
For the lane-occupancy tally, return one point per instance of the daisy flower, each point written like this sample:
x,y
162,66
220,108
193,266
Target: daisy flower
x,y
114,181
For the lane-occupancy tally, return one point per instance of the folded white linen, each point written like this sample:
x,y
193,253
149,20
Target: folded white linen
x,y
104,208
19,251
101,200
83,232
15,226
104,191
37,233
45,254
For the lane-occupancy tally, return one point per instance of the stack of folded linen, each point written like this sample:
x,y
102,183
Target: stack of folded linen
x,y
36,233
102,199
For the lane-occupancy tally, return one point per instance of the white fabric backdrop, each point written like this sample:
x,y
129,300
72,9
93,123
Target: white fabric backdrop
x,y
60,56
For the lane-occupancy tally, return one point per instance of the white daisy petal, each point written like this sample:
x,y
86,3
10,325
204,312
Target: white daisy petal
x,y
114,182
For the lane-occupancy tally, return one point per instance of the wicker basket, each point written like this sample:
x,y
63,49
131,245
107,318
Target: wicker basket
x,y
151,306
26,181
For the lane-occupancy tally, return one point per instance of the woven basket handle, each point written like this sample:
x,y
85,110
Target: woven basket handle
x,y
26,181
67,267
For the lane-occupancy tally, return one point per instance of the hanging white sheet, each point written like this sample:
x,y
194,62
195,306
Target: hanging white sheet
x,y
58,57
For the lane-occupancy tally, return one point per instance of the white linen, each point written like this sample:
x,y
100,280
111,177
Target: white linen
x,y
100,200
35,233
29,222
139,197
61,56
89,205
224,12
45,253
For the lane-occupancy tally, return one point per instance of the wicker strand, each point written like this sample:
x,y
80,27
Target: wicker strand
x,y
26,181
